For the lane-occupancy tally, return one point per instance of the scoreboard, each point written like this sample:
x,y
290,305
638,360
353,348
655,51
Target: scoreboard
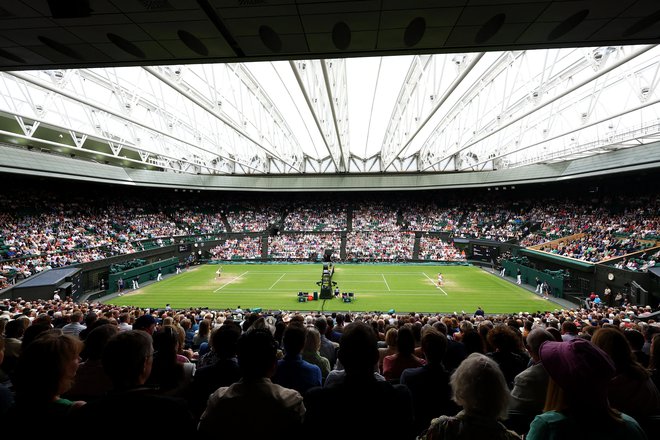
x,y
484,252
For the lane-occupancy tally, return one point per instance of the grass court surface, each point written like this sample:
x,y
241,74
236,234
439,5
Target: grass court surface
x,y
404,288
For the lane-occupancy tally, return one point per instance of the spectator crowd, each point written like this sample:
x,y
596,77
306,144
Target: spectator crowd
x,y
44,231
485,376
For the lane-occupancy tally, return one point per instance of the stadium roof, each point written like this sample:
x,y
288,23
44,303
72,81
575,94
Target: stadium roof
x,y
291,87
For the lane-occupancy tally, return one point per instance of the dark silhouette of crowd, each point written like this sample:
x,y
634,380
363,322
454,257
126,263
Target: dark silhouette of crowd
x,y
285,374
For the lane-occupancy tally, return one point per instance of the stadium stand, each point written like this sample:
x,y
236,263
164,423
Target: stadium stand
x,y
578,236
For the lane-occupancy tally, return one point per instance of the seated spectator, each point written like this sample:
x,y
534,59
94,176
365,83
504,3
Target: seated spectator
x,y
358,353
146,323
221,368
631,390
636,341
577,369
476,377
46,369
568,330
390,348
429,384
91,380
75,326
202,334
393,365
167,373
14,331
654,361
530,385
127,360
260,408
506,351
292,371
6,395
473,343
456,352
32,333
328,348
311,351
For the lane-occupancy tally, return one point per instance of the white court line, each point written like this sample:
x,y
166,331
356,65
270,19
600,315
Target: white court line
x,y
388,286
228,283
441,289
362,292
278,280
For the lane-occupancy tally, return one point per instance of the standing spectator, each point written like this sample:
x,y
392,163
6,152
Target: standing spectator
x,y
607,296
280,409
577,369
358,353
619,299
477,376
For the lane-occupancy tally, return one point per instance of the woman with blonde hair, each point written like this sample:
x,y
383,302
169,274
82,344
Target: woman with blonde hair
x,y
390,341
311,351
477,377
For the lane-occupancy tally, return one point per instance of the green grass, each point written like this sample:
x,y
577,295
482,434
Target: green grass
x,y
404,288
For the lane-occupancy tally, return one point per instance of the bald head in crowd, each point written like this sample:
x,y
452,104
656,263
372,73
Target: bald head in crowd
x,y
534,339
